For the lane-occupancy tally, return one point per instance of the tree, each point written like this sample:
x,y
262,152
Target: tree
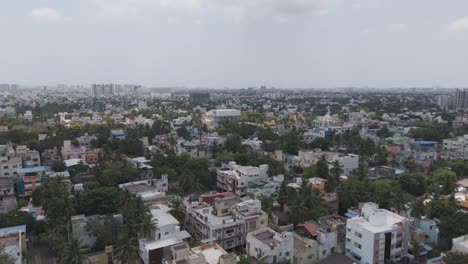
x,y
72,253
321,143
413,183
15,218
398,199
178,210
418,208
101,200
37,196
410,164
267,203
438,207
58,166
310,171
322,167
234,143
244,260
415,248
333,179
56,202
444,181
126,250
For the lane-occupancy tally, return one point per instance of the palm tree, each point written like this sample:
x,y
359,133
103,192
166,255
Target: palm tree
x,y
333,179
178,210
72,253
126,250
398,199
418,208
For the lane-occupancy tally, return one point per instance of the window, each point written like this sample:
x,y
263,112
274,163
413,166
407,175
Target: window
x,y
287,254
357,234
5,167
357,245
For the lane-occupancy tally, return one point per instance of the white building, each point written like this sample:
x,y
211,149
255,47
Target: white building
x,y
377,235
236,178
28,116
269,246
168,234
460,244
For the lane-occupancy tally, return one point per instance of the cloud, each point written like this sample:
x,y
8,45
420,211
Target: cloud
x,y
45,14
279,10
459,25
108,9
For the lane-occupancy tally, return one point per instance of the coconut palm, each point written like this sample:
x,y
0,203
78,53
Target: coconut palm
x,y
418,208
178,210
72,253
333,179
126,250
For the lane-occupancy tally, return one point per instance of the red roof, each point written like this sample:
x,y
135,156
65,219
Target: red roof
x,y
310,228
208,198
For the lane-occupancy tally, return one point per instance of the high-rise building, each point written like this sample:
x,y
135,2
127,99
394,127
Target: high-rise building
x,y
103,89
461,99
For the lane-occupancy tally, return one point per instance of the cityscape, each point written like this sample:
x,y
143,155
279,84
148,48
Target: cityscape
x,y
234,132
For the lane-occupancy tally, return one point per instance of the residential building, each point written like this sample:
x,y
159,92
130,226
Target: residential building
x,y
269,246
325,237
144,168
208,253
228,220
377,235
430,229
10,166
148,189
29,179
262,187
305,250
13,241
236,178
153,249
7,192
336,223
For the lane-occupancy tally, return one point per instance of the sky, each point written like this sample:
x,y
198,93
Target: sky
x,y
235,43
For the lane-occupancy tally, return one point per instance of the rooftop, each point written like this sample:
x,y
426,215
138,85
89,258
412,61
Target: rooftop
x,y
266,236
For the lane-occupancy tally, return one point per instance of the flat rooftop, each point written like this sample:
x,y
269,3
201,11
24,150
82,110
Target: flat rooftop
x,y
267,237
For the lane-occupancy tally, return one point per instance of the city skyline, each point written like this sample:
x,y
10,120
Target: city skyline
x,y
213,44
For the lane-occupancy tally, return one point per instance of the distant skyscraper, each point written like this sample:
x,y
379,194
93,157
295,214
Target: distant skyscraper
x,y
103,89
461,99
199,98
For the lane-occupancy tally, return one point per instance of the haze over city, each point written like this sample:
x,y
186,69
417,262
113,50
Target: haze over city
x,y
209,43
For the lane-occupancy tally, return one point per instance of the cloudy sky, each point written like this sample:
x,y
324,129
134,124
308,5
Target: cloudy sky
x,y
235,43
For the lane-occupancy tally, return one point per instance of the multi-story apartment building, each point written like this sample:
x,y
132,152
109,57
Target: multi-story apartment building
x,y
29,179
228,220
31,158
10,166
236,178
269,246
377,235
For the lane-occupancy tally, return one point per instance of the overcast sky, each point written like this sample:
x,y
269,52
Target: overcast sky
x,y
235,43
